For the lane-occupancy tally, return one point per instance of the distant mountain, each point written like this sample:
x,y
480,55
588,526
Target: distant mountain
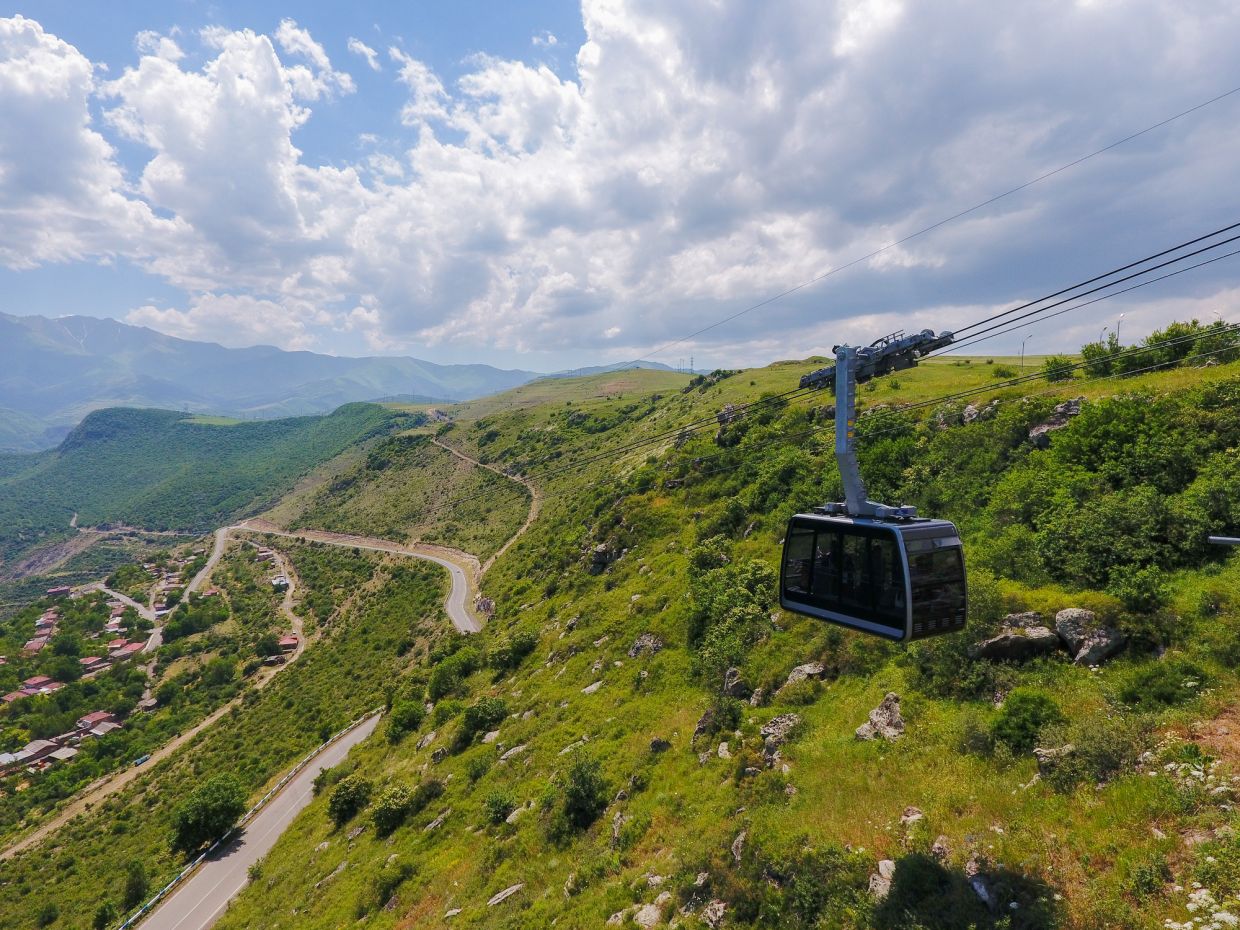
x,y
55,371
604,369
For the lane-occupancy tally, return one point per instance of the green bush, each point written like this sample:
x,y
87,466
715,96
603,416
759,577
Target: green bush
x,y
498,805
1104,747
208,813
391,808
1003,371
1024,716
1058,368
481,716
348,798
584,792
137,885
510,653
1162,684
406,716
1140,589
105,915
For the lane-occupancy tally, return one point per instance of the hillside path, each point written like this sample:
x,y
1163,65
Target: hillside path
x,y
462,567
535,498
202,898
110,784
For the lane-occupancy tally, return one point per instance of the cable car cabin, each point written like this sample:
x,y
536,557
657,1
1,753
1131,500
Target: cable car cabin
x,y
903,580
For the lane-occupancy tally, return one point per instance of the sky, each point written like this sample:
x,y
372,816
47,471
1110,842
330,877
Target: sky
x,y
550,185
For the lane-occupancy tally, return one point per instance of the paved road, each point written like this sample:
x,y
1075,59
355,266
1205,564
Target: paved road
x,y
202,898
457,603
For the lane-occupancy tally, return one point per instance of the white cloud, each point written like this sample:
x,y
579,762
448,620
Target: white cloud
x,y
544,39
152,43
700,158
358,47
233,320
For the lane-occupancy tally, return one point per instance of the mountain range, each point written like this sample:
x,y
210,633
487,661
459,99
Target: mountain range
x,y
55,371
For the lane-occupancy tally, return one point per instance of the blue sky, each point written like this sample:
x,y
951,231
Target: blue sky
x,y
553,185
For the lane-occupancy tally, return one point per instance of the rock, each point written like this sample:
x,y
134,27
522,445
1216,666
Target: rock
x,y
940,848
658,744
516,814
426,740
598,558
911,815
490,736
449,914
734,685
1072,625
648,915
645,645
969,414
514,751
355,833
618,918
712,913
775,734
590,689
505,894
880,881
322,846
805,672
1057,420
1049,759
438,821
572,746
571,624
705,723
654,881
1013,646
723,752
617,824
1099,646
981,887
438,755
885,721
758,697
1020,621
738,846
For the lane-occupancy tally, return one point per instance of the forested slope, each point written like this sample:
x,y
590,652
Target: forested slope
x,y
159,469
617,779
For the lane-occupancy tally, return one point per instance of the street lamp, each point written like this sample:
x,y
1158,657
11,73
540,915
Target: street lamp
x,y
1022,353
1101,334
1118,324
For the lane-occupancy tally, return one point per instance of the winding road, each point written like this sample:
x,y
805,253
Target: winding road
x,y
202,898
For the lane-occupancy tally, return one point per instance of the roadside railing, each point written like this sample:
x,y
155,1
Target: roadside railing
x,y
138,915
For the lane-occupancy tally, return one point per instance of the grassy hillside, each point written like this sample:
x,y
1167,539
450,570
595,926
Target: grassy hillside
x,y
158,469
396,492
610,818
389,615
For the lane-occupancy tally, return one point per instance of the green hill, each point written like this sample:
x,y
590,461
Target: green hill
x,y
621,780
161,470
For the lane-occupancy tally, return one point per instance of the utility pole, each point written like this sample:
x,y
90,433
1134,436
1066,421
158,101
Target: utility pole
x,y
1118,324
1022,353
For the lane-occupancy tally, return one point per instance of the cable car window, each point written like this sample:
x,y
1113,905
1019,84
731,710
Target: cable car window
x,y
800,550
938,581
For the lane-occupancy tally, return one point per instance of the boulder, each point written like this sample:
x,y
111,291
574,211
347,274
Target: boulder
x,y
645,645
514,751
505,894
911,815
1057,420
805,672
1072,624
1016,646
885,720
738,846
439,755
775,733
1022,620
590,689
880,881
658,744
426,740
1099,646
734,685
723,752
598,558
940,848
490,736
1049,759
712,913
705,723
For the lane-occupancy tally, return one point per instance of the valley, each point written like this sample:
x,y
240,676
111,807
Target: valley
x,y
588,734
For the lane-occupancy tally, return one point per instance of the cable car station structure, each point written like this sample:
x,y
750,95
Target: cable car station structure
x,y
861,564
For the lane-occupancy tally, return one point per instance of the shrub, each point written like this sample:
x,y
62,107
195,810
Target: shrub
x,y
585,792
1024,716
510,654
391,808
478,766
801,692
1162,684
486,713
1058,368
1003,371
498,805
451,671
406,716
348,798
1104,747
394,873
208,813
1143,590
48,914
137,885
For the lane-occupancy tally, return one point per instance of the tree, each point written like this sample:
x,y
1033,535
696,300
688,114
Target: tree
x,y
208,813
1057,368
105,914
406,716
348,798
585,792
391,808
136,885
268,645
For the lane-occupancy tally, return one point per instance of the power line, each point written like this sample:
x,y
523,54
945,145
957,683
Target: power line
x,y
943,222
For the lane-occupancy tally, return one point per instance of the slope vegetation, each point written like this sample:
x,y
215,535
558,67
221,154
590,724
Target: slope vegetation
x,y
581,761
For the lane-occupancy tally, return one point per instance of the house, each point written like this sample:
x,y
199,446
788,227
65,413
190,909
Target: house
x,y
35,751
288,643
103,729
63,754
147,705
7,761
14,696
93,664
52,688
36,683
60,591
279,582
211,592
127,651
94,719
114,626
117,644
34,645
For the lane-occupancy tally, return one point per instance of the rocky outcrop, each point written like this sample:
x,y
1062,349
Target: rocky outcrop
x,y
1072,624
880,881
505,894
658,744
738,846
775,733
1016,645
973,413
805,672
1058,419
1099,646
734,686
645,645
713,913
885,720
598,558
1087,641
1050,759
